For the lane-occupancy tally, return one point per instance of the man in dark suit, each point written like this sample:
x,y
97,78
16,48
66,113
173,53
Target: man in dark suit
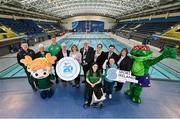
x,y
111,53
63,53
87,53
24,51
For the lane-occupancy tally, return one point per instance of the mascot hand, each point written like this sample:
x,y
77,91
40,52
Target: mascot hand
x,y
169,53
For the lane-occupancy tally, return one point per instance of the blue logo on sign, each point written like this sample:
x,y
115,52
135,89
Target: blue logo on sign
x,y
67,68
111,74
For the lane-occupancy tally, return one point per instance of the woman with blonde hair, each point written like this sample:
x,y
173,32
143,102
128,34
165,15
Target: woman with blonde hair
x,y
77,56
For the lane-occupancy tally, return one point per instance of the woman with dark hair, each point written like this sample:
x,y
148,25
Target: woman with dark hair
x,y
94,92
99,56
108,83
77,56
124,63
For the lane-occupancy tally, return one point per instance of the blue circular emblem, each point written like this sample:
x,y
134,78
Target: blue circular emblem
x,y
67,68
112,74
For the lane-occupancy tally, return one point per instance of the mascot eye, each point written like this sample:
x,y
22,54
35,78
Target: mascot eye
x,y
36,74
44,73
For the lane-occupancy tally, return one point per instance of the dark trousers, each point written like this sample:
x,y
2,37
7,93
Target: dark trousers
x,y
57,77
29,78
47,93
77,80
119,86
85,69
96,89
108,87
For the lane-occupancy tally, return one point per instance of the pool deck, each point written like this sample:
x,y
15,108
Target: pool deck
x,y
17,100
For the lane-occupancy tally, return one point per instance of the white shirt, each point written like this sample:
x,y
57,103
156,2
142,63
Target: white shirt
x,y
76,56
64,54
122,57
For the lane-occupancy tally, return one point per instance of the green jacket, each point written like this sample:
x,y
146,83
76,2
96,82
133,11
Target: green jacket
x,y
54,49
93,79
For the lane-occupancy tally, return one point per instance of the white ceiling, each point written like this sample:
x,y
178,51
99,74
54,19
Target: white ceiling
x,y
68,8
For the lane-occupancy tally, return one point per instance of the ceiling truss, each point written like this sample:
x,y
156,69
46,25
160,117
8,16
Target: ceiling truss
x,y
66,8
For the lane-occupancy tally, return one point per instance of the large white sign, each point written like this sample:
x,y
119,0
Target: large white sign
x,y
67,68
120,75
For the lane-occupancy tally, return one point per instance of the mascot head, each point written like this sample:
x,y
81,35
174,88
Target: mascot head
x,y
40,67
141,52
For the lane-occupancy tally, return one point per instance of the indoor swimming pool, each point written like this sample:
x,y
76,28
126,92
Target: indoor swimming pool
x,y
158,71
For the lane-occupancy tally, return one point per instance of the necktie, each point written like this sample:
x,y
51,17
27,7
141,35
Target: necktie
x,y
109,55
85,53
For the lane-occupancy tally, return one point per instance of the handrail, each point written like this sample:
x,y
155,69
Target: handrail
x,y
8,67
16,72
162,73
169,67
8,70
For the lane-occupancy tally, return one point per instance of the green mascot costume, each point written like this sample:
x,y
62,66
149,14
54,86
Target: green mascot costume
x,y
142,61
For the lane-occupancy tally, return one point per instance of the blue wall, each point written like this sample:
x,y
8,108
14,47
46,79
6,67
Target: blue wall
x,y
93,26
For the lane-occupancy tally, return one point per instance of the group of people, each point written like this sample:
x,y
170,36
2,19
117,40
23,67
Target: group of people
x,y
93,61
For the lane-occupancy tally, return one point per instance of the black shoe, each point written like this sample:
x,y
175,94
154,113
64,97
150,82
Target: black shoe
x,y
73,85
77,86
117,89
83,81
70,83
115,86
86,104
65,84
101,105
34,89
57,81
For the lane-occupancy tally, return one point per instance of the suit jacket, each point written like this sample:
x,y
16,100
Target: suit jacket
x,y
114,55
100,59
21,55
60,54
89,56
38,54
125,64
